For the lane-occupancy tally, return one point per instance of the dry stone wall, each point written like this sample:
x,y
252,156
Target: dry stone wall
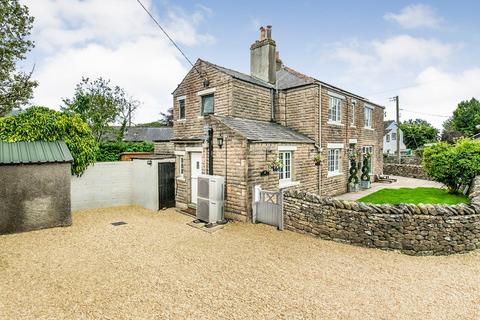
x,y
412,229
405,170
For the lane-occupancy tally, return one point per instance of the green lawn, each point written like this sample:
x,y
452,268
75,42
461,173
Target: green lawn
x,y
414,195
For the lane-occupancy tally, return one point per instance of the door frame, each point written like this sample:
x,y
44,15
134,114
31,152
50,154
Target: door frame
x,y
192,181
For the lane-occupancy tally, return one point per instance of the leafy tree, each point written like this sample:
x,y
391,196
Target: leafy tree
x,y
418,132
465,118
453,165
16,87
43,124
167,117
101,105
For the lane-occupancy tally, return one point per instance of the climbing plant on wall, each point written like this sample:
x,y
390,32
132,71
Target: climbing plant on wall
x,y
44,124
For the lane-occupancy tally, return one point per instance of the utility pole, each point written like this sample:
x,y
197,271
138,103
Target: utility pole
x,y
399,159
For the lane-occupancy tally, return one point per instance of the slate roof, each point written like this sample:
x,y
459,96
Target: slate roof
x,y
263,131
288,78
241,76
387,123
135,134
26,152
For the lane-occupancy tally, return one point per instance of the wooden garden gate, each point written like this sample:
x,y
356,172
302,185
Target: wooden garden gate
x,y
267,207
166,185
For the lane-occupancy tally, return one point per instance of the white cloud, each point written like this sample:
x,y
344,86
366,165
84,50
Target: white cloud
x,y
437,93
414,68
114,39
415,16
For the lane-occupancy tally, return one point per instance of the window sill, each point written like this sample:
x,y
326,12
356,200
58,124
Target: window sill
x,y
334,174
334,123
181,178
352,126
367,128
288,184
181,120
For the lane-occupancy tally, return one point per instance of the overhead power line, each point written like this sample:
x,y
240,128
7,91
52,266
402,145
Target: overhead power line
x,y
427,114
170,38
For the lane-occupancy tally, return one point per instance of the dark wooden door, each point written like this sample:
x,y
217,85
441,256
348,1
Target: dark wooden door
x,y
166,185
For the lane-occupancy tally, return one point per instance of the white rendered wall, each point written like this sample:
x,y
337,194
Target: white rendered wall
x,y
109,184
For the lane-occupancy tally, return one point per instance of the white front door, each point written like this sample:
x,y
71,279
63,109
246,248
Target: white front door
x,y
196,169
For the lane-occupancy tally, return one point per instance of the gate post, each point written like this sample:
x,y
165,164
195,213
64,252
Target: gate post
x,y
280,207
255,199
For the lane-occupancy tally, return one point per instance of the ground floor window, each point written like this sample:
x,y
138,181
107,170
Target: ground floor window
x,y
285,173
181,166
369,150
334,161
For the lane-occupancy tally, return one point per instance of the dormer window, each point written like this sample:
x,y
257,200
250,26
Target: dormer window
x,y
207,104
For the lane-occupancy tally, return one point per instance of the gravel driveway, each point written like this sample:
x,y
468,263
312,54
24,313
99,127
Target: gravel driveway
x,y
157,267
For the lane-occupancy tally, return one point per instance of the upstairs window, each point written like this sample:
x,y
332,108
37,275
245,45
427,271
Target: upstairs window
x,y
181,108
354,109
285,172
207,104
394,136
388,137
368,117
334,109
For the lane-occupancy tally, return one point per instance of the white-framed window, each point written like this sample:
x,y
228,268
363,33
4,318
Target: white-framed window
x,y
394,136
368,117
354,110
333,162
388,137
208,104
181,166
285,172
369,149
181,109
334,109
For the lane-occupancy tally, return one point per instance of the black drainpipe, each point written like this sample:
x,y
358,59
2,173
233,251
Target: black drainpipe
x,y
210,151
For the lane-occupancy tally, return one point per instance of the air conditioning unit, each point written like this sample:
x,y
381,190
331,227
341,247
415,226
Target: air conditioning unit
x,y
210,198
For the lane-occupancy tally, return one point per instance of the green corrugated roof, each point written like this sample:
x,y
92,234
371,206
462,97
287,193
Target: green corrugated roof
x,y
34,152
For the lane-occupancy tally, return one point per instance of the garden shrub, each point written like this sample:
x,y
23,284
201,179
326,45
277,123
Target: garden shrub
x,y
110,151
453,165
44,124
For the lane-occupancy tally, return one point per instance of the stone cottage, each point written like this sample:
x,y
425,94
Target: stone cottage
x,y
235,125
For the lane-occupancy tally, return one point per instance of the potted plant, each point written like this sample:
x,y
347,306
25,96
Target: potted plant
x,y
318,159
365,177
353,181
275,165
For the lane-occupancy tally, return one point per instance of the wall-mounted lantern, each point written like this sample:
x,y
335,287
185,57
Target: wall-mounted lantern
x,y
220,141
149,162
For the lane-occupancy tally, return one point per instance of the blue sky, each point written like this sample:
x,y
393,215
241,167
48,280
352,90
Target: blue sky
x,y
426,52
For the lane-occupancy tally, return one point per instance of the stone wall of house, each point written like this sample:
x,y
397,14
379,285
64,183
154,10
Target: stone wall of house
x,y
163,147
251,101
304,175
192,125
412,229
348,133
405,170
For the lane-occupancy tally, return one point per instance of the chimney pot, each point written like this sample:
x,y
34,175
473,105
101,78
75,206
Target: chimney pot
x,y
269,32
262,33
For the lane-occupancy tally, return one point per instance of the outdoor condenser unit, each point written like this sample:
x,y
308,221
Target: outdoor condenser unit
x,y
210,198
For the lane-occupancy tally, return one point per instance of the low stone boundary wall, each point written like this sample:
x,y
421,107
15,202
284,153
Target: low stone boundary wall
x,y
405,170
412,229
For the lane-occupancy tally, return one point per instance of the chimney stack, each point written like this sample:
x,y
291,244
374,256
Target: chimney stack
x,y
263,58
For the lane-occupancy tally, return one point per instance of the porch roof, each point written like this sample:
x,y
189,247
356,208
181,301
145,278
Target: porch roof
x,y
262,131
